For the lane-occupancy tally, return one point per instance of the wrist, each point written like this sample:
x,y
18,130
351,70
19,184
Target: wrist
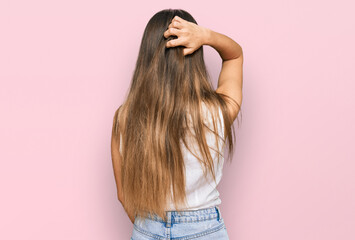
x,y
207,36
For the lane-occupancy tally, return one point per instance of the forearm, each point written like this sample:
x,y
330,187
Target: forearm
x,y
224,45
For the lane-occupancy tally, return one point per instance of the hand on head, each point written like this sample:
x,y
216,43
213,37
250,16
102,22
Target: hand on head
x,y
189,35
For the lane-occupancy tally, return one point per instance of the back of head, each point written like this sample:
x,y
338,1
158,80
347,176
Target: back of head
x,y
163,103
167,70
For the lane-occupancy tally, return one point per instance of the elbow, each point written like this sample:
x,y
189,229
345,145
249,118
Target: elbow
x,y
241,56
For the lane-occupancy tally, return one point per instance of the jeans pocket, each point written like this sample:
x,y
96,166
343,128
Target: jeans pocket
x,y
219,231
198,229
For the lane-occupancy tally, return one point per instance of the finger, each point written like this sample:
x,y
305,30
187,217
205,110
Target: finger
x,y
175,24
173,43
187,51
177,18
171,31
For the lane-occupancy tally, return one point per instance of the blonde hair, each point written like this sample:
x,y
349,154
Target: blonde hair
x,y
163,105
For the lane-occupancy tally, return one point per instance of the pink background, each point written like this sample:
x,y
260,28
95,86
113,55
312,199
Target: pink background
x,y
65,67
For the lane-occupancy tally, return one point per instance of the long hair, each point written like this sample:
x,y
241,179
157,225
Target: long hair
x,y
163,106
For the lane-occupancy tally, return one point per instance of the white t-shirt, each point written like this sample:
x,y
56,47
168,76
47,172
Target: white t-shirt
x,y
201,192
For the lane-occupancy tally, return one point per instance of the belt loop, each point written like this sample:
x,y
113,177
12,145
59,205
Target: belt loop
x,y
168,221
218,214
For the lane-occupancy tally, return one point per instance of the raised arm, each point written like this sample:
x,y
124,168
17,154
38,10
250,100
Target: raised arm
x,y
193,36
230,80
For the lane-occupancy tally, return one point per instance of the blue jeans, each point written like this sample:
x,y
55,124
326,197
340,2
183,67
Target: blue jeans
x,y
202,224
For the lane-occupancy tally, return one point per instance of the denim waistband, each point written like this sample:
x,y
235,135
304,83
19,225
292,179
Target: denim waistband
x,y
189,215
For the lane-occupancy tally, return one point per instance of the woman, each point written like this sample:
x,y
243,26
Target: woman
x,y
169,134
